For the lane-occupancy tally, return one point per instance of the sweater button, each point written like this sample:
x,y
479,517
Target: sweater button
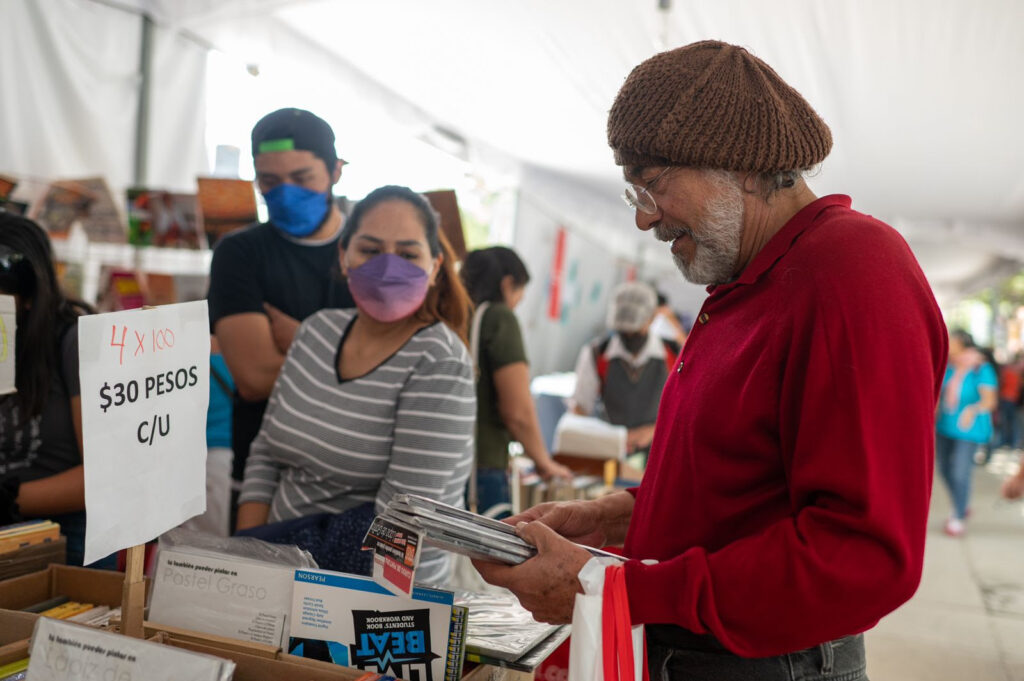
x,y
704,317
679,367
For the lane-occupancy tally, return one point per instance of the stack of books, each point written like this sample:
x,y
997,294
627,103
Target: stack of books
x,y
30,546
62,608
29,533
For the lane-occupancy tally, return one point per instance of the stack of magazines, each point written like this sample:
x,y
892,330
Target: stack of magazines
x,y
464,532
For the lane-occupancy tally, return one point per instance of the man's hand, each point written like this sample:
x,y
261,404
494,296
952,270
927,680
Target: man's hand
x,y
599,522
282,327
577,521
967,416
547,584
639,437
552,469
1013,487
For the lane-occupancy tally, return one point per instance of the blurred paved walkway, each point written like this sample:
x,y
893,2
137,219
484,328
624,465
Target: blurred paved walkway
x,y
966,621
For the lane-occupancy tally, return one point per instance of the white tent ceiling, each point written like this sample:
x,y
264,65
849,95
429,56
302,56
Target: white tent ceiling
x,y
923,97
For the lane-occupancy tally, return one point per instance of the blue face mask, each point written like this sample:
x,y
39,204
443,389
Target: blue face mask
x,y
296,210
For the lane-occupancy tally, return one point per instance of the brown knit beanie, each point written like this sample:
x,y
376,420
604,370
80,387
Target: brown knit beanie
x,y
714,105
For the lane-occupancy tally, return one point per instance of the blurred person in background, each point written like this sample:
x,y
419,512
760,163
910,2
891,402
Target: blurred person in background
x,y
666,323
620,375
964,423
266,278
216,520
1009,430
41,473
1013,487
495,279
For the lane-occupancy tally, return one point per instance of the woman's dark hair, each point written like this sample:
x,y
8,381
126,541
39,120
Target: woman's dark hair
x,y
447,300
963,337
44,314
483,271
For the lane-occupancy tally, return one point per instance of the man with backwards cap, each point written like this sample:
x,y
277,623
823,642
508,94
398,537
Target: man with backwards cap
x,y
621,374
784,506
268,277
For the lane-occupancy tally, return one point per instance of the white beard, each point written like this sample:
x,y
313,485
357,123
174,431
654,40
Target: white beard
x,y
717,244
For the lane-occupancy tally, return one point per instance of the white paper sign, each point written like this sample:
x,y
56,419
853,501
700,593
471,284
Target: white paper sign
x,y
145,390
8,327
63,651
226,596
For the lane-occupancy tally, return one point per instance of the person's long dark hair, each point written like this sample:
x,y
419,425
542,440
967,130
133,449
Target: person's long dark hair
x,y
447,300
484,269
44,312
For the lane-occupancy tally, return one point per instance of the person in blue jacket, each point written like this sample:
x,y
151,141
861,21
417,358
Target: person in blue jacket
x,y
964,422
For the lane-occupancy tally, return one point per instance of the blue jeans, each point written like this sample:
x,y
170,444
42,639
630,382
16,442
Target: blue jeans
x,y
1008,432
335,540
492,490
674,654
955,460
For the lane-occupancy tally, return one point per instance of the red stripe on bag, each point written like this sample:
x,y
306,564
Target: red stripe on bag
x,y
616,629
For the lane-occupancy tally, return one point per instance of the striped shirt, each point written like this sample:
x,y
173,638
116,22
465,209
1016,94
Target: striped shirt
x,y
328,445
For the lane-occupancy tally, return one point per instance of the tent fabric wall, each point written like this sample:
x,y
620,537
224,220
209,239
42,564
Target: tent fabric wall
x,y
70,79
601,247
177,113
921,95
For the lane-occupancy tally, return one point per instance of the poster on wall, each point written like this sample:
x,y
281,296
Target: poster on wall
x,y
164,219
144,390
557,270
102,222
60,206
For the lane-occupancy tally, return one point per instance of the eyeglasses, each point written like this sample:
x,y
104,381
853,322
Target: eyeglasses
x,y
639,198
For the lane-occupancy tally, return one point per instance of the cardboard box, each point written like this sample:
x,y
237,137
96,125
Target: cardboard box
x,y
86,585
32,558
254,661
15,630
13,652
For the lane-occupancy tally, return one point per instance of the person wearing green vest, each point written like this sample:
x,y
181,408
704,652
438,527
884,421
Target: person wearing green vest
x,y
495,279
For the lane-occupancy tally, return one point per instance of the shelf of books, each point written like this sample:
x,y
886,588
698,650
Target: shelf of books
x,y
150,247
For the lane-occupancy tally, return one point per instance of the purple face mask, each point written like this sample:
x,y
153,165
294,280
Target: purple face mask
x,y
388,287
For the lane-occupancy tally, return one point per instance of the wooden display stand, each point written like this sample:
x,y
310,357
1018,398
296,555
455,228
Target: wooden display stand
x,y
606,468
133,595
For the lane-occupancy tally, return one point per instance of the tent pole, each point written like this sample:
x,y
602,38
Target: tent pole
x,y
142,116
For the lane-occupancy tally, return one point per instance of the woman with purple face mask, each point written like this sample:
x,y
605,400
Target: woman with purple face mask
x,y
372,401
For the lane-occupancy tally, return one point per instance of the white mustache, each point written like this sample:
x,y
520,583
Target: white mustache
x,y
666,233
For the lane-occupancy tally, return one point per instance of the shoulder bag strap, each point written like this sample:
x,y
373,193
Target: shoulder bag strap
x,y
215,375
474,349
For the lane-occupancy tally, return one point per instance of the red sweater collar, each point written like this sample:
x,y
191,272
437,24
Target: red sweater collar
x,y
783,240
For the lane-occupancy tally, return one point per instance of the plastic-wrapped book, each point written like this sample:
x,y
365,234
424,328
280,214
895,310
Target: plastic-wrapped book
x,y
462,531
501,632
589,437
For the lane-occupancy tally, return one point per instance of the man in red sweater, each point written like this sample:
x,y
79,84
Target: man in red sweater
x,y
784,506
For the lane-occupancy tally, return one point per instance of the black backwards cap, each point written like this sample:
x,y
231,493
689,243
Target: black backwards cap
x,y
295,129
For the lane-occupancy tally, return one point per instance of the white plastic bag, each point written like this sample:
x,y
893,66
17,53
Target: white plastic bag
x,y
602,637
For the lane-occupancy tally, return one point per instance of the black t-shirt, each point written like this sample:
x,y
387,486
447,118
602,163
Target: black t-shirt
x,y
259,264
46,444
